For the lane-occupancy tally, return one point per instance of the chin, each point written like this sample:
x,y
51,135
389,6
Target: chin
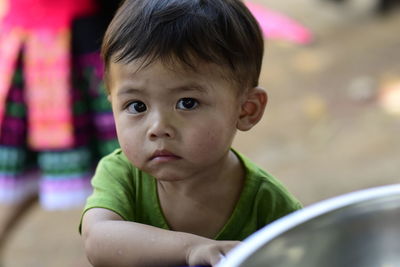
x,y
168,176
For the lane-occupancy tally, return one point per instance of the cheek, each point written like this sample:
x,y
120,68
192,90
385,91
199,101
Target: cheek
x,y
132,152
130,143
205,140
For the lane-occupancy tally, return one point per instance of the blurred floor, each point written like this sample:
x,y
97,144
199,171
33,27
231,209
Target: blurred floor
x,y
324,132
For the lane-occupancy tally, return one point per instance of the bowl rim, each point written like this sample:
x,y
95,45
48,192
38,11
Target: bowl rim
x,y
258,239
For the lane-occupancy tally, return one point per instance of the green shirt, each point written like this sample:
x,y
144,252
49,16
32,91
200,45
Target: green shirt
x,y
131,193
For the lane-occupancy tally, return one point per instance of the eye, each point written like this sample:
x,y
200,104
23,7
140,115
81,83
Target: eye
x,y
187,103
136,107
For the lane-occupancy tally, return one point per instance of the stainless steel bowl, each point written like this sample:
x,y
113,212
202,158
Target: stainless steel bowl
x,y
359,229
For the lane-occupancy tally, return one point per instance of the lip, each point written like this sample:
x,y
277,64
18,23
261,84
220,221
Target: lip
x,y
163,156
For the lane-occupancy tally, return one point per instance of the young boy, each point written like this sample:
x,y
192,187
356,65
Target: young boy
x,y
182,77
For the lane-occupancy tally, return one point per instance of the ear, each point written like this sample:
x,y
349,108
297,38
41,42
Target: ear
x,y
252,108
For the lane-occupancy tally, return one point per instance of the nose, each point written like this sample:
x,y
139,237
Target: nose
x,y
161,126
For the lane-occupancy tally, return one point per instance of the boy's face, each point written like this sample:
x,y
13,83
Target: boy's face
x,y
173,124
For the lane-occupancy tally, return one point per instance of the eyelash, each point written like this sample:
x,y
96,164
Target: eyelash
x,y
195,101
137,103
186,100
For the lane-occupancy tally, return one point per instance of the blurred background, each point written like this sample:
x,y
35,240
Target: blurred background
x,y
332,124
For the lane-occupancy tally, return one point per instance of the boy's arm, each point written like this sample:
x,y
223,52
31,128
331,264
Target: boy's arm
x,y
111,241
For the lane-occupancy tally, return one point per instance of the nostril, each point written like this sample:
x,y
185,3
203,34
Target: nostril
x,y
161,133
160,127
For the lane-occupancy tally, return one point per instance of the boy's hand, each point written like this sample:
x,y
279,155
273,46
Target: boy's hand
x,y
210,254
111,241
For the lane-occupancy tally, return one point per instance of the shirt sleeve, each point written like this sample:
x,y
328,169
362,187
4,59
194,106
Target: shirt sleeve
x,y
275,201
113,186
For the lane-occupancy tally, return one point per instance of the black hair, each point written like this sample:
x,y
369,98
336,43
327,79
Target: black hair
x,y
223,32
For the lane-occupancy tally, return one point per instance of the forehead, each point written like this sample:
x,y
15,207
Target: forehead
x,y
167,72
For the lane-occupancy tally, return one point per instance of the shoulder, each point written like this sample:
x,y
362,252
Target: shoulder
x,y
114,168
114,185
271,198
115,159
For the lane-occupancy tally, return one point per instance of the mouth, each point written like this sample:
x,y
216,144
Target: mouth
x,y
163,156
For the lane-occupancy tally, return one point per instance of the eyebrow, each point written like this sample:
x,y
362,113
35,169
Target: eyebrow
x,y
126,90
190,88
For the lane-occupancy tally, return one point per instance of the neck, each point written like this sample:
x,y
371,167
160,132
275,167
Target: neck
x,y
227,170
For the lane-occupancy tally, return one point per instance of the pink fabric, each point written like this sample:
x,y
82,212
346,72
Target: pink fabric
x,y
278,26
45,13
70,184
42,27
47,80
9,48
